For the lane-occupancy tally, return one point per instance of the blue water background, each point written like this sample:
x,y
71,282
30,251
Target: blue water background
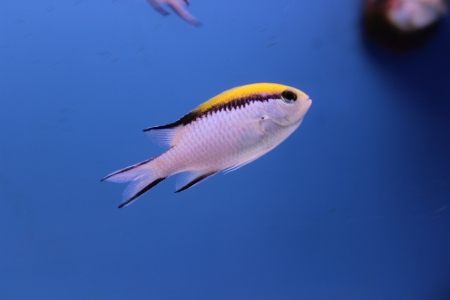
x,y
354,205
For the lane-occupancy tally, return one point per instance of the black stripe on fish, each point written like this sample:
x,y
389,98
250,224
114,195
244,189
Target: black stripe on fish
x,y
228,105
190,117
128,168
141,192
195,181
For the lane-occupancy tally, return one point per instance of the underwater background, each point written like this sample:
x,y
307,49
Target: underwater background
x,y
354,205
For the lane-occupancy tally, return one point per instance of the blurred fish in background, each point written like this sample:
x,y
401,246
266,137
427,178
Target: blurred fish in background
x,y
178,6
403,25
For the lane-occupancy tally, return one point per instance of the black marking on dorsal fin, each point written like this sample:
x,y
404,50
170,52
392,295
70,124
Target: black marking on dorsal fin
x,y
195,181
186,119
141,192
228,105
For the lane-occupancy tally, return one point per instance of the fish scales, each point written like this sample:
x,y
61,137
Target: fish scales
x,y
197,149
222,134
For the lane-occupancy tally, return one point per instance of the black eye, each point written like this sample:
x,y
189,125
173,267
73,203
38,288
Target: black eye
x,y
288,96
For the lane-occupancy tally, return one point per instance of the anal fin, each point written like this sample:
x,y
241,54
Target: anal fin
x,y
191,178
243,163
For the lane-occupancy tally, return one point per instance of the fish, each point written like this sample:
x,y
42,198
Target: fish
x,y
178,6
403,25
224,133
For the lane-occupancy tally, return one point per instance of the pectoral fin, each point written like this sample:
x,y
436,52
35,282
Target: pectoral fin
x,y
268,125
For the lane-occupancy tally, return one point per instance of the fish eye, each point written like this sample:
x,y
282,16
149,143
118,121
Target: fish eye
x,y
288,96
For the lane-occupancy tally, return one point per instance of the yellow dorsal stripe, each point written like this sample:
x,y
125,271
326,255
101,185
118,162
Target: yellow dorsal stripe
x,y
241,92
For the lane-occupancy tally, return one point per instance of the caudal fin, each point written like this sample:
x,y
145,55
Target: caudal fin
x,y
141,180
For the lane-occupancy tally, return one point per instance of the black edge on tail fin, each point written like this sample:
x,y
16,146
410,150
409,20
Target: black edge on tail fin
x,y
127,169
195,181
141,192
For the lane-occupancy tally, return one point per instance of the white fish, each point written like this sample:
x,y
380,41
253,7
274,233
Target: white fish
x,y
223,134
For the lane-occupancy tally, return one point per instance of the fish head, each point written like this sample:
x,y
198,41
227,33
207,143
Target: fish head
x,y
290,108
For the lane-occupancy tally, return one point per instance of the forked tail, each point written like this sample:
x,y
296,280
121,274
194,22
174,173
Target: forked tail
x,y
141,177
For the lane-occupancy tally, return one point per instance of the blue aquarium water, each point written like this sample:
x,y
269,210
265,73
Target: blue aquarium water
x,y
354,205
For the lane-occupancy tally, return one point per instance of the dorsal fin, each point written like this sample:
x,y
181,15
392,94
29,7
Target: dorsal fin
x,y
164,134
163,137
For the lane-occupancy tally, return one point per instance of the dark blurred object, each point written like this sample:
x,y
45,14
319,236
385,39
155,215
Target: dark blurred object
x,y
402,25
